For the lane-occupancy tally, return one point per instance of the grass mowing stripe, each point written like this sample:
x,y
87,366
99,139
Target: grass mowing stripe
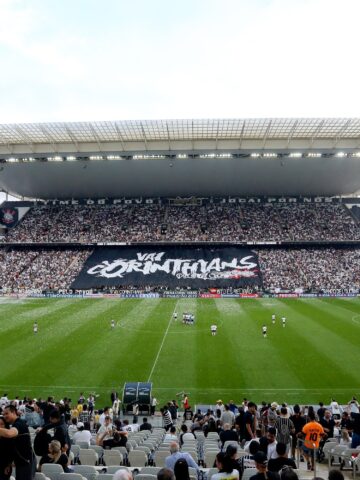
x,y
162,344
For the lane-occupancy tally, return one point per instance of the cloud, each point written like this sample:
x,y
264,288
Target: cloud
x,y
229,58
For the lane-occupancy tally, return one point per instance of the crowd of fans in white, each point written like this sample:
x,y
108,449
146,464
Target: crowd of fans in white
x,y
304,270
39,269
317,270
310,269
144,223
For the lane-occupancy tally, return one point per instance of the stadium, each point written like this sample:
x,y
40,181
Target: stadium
x,y
232,220
180,261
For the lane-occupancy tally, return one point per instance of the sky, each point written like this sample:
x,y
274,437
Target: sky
x,y
86,60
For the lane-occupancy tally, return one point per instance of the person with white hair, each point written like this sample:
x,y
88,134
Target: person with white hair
x,y
176,454
122,474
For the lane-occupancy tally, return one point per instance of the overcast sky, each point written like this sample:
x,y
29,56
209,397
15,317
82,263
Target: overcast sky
x,y
68,60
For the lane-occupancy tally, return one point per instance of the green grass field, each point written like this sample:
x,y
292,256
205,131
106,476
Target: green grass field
x,y
315,357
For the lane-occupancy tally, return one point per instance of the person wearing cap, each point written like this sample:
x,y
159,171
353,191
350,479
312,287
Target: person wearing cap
x,y
272,414
261,464
82,435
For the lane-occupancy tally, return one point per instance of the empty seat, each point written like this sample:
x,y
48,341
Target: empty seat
x,y
137,458
112,457
88,456
52,470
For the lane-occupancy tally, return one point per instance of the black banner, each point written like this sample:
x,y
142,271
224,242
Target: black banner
x,y
170,266
9,216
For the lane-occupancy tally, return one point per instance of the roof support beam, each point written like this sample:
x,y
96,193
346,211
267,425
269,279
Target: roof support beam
x,y
266,133
26,138
242,134
98,141
168,134
342,131
293,128
317,131
120,136
72,137
144,138
49,138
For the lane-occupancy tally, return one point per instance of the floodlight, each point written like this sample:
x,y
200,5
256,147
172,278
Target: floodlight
x,y
54,159
314,155
113,157
96,157
295,155
255,155
181,155
270,155
71,158
341,154
12,160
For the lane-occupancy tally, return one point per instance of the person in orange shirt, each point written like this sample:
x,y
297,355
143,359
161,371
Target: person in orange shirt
x,y
313,433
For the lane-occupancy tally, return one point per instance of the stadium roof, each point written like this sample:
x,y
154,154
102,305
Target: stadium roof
x,y
171,130
269,156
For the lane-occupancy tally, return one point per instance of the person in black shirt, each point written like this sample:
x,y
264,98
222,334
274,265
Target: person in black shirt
x,y
261,466
299,422
276,464
5,454
145,425
355,423
249,423
328,424
21,449
60,430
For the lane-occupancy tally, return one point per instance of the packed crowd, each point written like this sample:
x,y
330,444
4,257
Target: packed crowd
x,y
39,269
210,223
310,270
233,437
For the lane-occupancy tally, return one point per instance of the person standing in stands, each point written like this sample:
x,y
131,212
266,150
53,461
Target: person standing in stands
x,y
21,449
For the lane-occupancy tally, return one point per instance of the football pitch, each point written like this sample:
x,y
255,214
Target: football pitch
x,y
314,358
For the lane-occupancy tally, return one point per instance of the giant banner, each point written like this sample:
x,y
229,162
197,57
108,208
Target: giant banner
x,y
170,266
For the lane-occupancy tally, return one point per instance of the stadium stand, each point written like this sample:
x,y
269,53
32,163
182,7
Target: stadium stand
x,y
207,223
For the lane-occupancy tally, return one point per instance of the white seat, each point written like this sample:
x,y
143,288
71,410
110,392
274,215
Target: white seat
x,y
160,457
209,458
105,476
112,469
86,471
71,476
150,470
112,457
40,476
52,470
88,457
137,458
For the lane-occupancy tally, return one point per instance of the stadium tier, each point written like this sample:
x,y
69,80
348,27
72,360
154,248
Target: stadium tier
x,y
203,223
148,247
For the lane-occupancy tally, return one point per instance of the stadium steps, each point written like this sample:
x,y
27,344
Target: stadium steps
x,y
352,214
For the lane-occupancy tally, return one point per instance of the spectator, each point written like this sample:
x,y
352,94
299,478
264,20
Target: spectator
x,y
176,455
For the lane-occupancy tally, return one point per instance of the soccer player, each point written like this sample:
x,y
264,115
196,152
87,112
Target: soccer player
x,y
35,328
112,324
213,330
273,318
283,321
264,331
175,316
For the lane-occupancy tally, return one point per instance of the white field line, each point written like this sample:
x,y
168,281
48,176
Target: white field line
x,y
162,343
73,388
